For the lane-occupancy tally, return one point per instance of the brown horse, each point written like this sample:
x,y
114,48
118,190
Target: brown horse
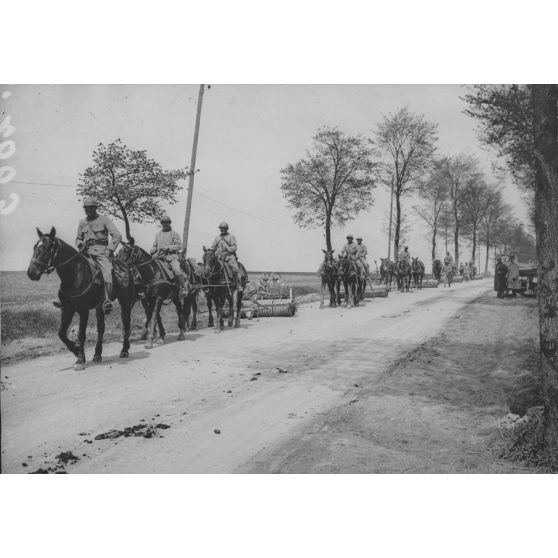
x,y
404,275
348,274
387,272
219,288
81,290
417,268
158,289
329,277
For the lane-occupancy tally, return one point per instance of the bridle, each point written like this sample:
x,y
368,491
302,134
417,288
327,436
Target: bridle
x,y
51,264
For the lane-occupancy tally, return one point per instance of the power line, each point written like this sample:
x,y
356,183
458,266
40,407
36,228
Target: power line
x,y
195,193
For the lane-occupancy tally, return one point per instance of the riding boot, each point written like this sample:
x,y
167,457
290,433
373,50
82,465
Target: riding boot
x,y
107,303
183,292
238,282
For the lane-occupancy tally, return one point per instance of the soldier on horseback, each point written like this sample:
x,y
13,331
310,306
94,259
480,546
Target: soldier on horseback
x,y
405,255
98,236
362,252
225,247
166,246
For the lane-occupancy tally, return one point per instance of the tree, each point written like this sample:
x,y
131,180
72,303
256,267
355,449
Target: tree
x,y
434,193
408,143
333,184
128,184
474,202
458,171
496,210
521,122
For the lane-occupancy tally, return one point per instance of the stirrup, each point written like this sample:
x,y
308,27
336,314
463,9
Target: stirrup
x,y
107,306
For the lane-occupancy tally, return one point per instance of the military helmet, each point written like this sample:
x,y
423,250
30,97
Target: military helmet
x,y
90,202
165,219
223,225
359,237
350,236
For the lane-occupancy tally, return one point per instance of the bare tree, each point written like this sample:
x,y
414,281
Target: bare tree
x,y
474,200
408,142
496,210
333,184
434,194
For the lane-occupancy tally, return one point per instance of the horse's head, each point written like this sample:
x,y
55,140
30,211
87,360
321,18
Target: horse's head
x,y
210,261
130,253
44,254
344,265
329,261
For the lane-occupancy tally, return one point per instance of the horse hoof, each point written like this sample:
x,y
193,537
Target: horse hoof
x,y
160,341
78,367
148,345
181,336
193,327
210,324
124,354
97,358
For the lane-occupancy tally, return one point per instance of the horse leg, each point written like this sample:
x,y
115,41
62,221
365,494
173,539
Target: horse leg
x,y
126,301
158,306
83,317
230,300
145,308
239,297
100,315
219,303
209,309
65,321
150,324
180,310
193,304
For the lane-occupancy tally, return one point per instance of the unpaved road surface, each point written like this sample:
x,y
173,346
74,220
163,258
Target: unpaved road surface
x,y
217,402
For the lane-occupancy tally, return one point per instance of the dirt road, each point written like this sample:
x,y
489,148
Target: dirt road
x,y
217,402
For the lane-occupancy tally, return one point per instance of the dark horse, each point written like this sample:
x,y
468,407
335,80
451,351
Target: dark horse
x,y
387,272
404,275
437,269
219,288
348,274
329,278
80,291
158,289
417,268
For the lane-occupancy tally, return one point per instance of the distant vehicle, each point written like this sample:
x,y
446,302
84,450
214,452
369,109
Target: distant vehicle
x,y
528,279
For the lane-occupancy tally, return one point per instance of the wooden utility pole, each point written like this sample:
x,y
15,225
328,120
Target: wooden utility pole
x,y
192,171
390,218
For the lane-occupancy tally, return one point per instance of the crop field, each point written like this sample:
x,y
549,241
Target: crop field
x,y
27,309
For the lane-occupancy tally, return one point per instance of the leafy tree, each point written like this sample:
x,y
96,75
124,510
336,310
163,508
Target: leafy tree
x,y
474,202
521,123
333,183
458,171
434,194
408,143
128,184
496,211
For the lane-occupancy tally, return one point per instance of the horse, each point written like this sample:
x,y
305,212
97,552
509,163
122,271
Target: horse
x,y
387,272
328,274
81,289
190,302
158,289
219,288
348,273
437,269
404,275
448,274
417,268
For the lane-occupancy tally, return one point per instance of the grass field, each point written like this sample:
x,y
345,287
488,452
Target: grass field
x,y
27,309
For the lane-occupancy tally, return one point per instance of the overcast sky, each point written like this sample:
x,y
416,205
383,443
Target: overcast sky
x,y
248,133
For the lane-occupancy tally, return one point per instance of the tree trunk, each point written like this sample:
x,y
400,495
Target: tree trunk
x,y
126,225
456,236
434,231
487,252
474,242
328,230
545,116
397,226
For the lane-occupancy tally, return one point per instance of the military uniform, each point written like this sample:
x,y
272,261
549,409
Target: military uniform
x,y
362,252
225,247
169,241
350,251
101,237
405,255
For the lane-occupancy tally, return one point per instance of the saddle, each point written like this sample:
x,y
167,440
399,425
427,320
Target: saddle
x,y
120,272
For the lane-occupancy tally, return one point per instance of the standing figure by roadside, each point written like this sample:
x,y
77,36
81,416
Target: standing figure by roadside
x,y
461,269
500,282
225,247
166,246
466,271
362,252
98,237
513,276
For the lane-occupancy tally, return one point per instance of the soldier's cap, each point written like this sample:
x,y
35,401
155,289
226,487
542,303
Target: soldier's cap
x,y
350,236
165,219
359,237
90,202
224,225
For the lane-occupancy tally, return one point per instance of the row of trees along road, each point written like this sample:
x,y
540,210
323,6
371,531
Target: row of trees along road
x,y
335,182
521,123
